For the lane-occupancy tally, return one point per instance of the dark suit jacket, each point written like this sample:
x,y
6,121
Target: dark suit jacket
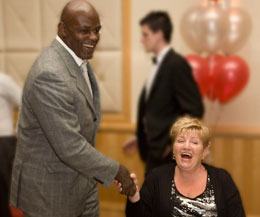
x,y
174,93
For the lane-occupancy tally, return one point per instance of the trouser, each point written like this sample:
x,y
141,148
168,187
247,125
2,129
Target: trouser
x,y
4,194
7,152
91,206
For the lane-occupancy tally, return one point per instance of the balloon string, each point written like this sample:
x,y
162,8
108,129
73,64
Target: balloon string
x,y
217,119
225,3
211,87
214,127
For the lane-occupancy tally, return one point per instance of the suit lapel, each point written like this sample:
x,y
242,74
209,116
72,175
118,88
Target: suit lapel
x,y
75,72
83,87
156,81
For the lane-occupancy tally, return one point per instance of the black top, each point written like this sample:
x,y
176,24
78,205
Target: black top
x,y
202,205
156,194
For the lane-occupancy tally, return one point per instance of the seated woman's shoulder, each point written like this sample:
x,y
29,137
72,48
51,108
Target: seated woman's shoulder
x,y
217,171
162,170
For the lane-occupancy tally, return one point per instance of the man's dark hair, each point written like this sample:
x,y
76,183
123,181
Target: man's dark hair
x,y
159,20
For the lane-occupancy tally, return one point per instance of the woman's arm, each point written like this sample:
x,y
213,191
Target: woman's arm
x,y
234,206
140,204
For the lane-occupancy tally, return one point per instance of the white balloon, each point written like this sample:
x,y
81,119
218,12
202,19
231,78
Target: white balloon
x,y
188,27
213,27
205,29
240,26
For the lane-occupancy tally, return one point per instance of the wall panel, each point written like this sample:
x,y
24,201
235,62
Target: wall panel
x,y
2,62
111,20
26,27
22,25
109,74
18,64
1,27
238,155
50,17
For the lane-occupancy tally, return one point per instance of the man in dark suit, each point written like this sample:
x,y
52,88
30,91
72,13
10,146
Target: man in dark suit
x,y
56,167
170,92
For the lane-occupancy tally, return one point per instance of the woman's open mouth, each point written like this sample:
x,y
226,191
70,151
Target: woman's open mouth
x,y
186,155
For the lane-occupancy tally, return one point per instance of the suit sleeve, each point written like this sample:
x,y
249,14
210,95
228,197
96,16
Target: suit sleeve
x,y
51,100
141,140
186,91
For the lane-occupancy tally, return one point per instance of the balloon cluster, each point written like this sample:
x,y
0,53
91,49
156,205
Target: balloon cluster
x,y
217,32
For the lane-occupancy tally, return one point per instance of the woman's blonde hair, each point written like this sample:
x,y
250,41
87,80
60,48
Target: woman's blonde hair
x,y
187,123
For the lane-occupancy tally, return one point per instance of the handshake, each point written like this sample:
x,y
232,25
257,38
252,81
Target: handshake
x,y
127,183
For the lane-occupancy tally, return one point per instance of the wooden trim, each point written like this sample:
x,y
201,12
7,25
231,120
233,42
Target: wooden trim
x,y
108,205
236,131
117,127
126,68
226,131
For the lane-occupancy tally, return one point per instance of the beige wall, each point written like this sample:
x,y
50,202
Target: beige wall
x,y
28,26
243,110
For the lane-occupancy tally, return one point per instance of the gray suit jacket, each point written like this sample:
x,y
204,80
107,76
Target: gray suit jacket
x,y
56,163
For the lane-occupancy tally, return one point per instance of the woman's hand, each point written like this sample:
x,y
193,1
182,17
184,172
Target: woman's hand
x,y
136,197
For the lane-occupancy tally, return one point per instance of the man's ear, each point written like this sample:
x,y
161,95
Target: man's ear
x,y
160,34
62,31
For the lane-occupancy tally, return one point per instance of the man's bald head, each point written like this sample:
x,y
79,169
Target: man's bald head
x,y
79,27
73,7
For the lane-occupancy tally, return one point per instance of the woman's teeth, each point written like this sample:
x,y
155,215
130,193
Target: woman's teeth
x,y
186,155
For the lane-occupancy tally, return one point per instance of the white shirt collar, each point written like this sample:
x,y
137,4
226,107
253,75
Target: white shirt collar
x,y
162,54
77,59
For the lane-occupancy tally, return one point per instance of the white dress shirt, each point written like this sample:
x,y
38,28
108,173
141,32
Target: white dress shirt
x,y
153,73
80,62
10,97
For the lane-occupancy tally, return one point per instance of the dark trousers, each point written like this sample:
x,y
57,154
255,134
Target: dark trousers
x,y
4,194
150,165
7,152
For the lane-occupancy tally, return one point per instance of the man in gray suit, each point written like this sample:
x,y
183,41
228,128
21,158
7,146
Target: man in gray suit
x,y
56,167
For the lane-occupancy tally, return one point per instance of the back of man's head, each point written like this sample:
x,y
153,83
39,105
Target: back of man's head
x,y
159,20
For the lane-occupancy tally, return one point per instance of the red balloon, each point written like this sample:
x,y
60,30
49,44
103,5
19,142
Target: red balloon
x,y
199,69
233,74
212,62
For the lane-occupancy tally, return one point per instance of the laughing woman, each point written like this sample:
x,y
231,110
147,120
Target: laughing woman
x,y
187,187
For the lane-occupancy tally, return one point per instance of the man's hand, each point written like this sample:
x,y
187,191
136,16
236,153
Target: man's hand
x,y
136,197
127,183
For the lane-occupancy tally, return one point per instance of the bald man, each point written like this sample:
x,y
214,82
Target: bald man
x,y
56,167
